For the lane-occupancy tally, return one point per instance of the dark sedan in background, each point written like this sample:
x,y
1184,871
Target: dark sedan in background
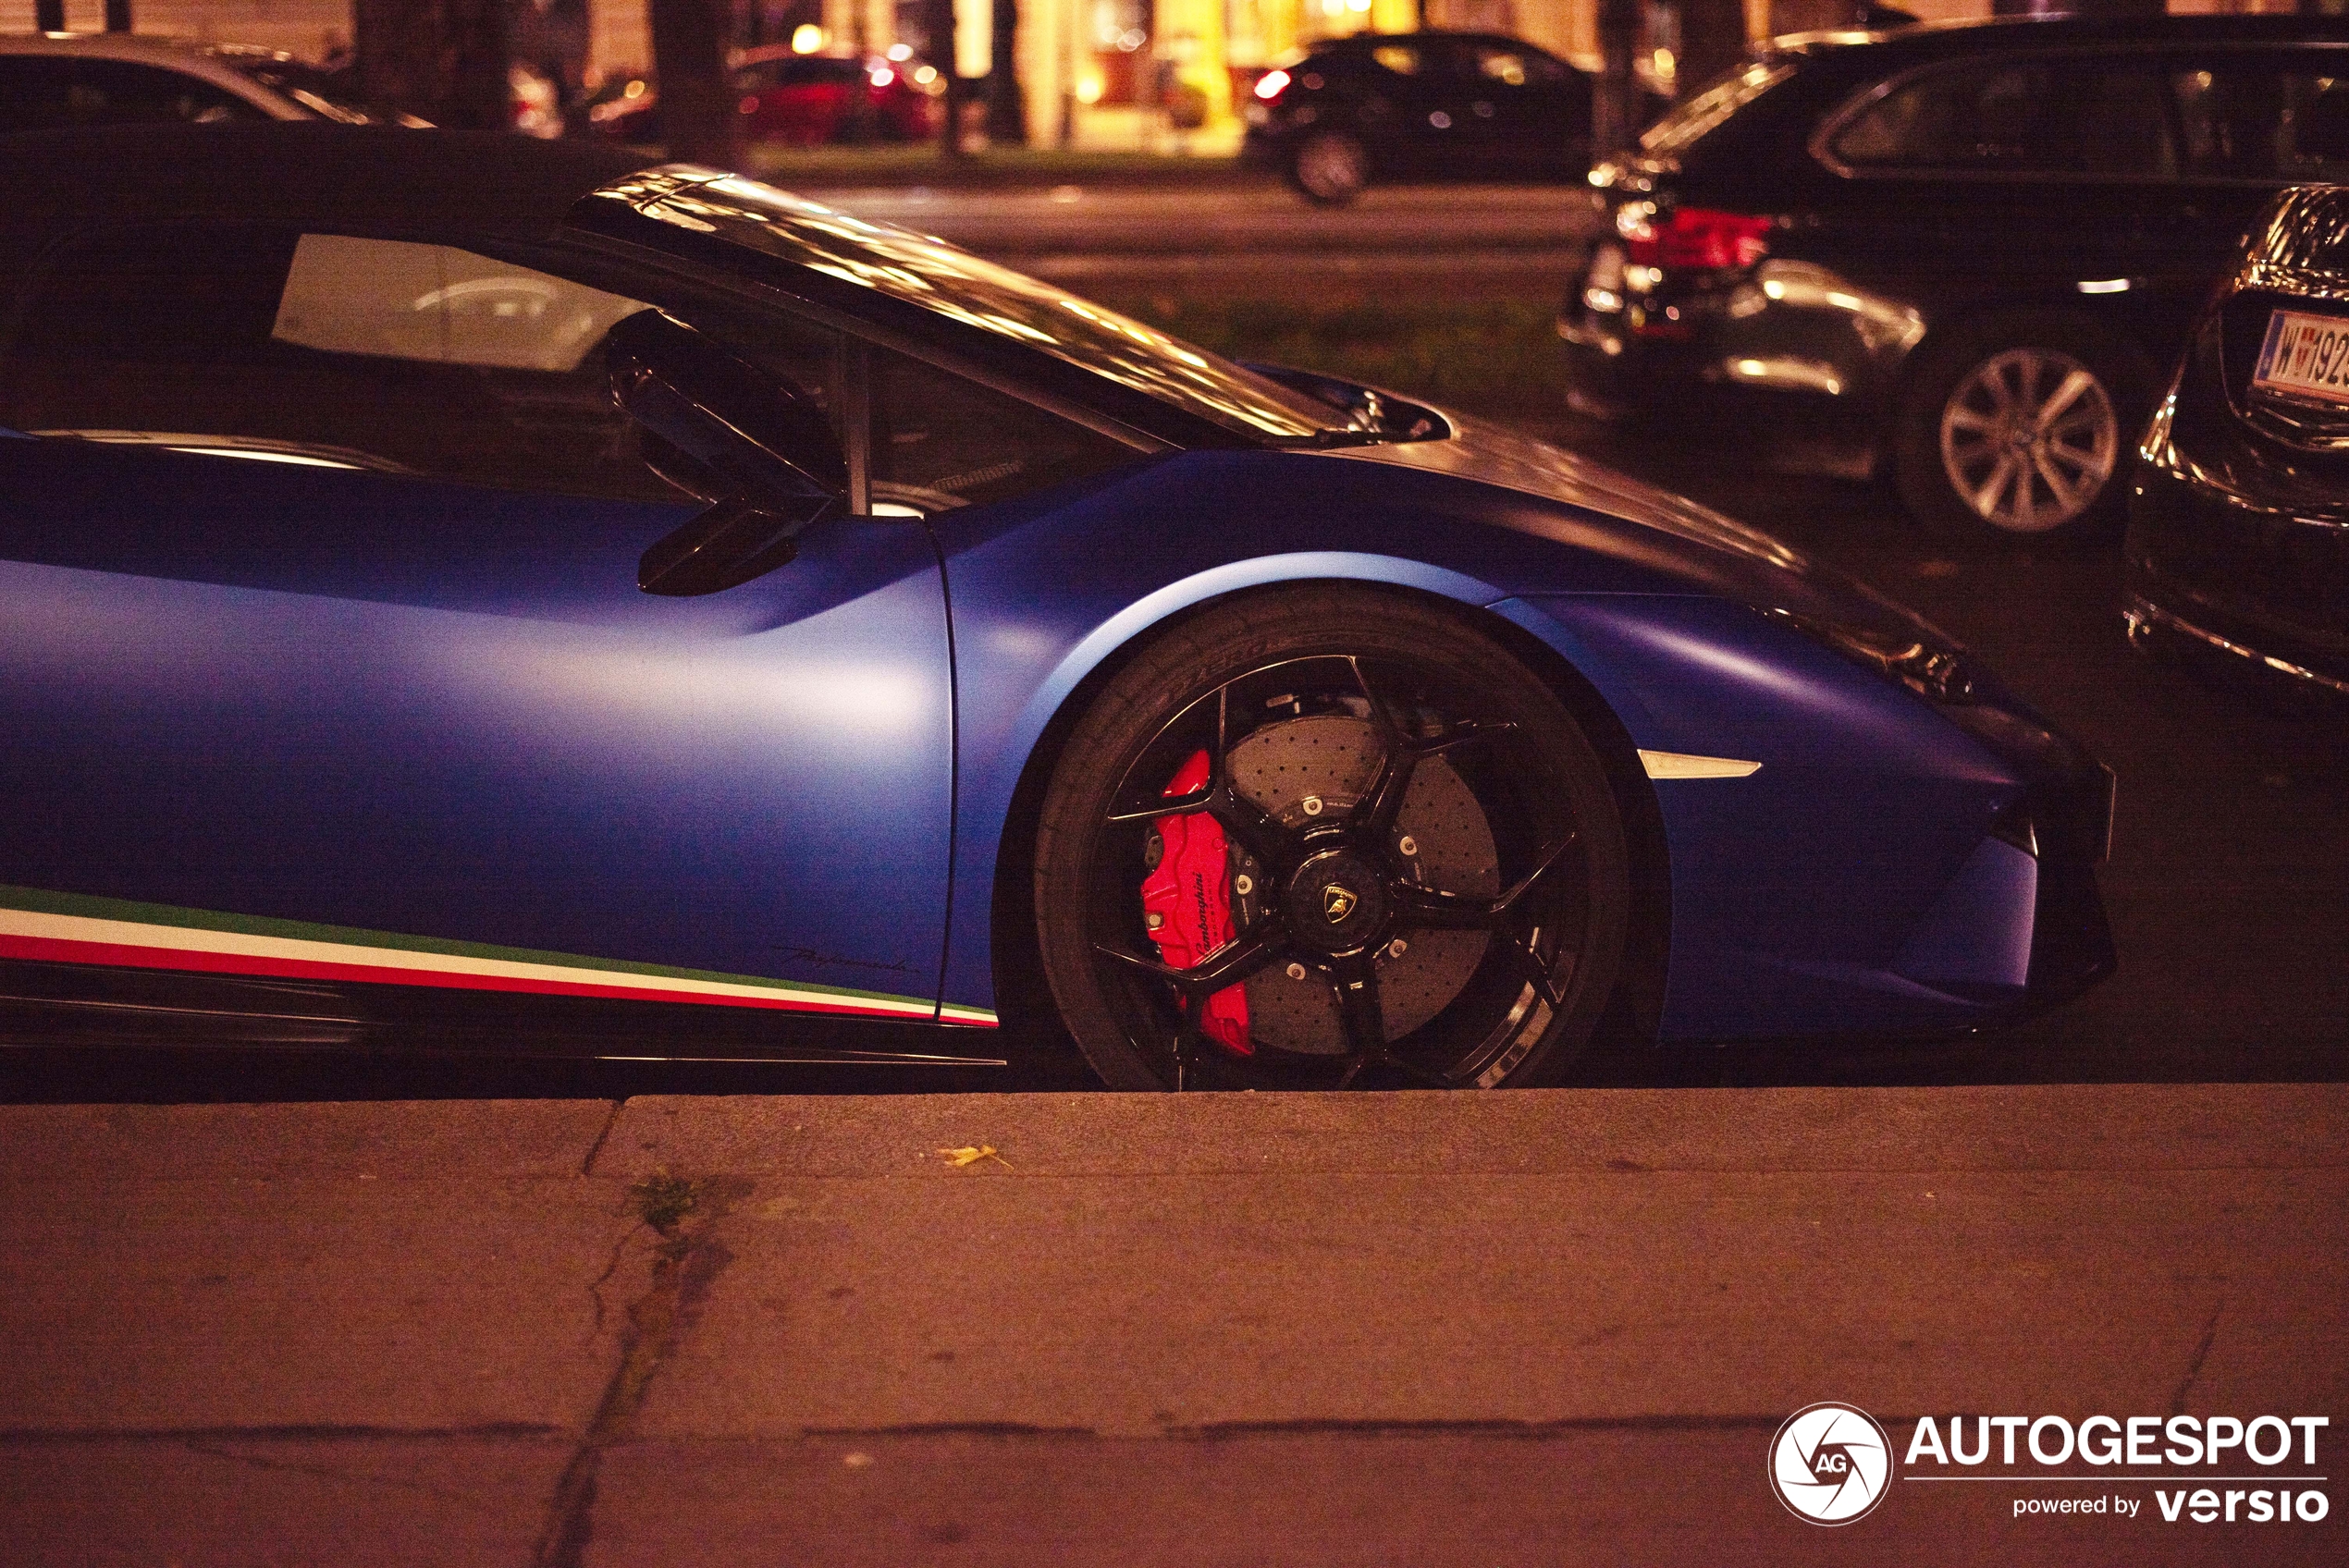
x,y
1962,253
2238,545
1426,105
52,81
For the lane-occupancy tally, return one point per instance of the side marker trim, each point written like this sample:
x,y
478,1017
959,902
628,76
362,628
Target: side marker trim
x,y
1680,764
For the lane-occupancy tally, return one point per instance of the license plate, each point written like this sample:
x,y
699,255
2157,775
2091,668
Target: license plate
x,y
2304,356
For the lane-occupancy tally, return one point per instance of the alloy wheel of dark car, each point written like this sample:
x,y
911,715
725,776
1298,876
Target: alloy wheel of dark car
x,y
1329,839
2017,430
1330,167
2029,438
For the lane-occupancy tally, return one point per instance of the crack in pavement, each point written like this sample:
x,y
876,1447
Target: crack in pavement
x,y
2193,1367
596,1287
329,1472
588,1166
295,1432
1495,1426
1499,1426
687,1262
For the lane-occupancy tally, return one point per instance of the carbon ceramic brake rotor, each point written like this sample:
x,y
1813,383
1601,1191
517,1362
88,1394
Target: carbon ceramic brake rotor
x,y
1334,758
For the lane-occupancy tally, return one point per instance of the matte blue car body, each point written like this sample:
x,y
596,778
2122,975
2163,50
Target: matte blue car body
x,y
407,706
591,768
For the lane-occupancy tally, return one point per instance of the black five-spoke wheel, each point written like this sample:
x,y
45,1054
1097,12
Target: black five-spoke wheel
x,y
1361,846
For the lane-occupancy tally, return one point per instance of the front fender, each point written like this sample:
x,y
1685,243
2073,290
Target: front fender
x,y
1852,881
1800,896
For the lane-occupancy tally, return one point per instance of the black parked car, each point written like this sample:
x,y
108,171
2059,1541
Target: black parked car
x,y
1426,105
1961,252
2238,542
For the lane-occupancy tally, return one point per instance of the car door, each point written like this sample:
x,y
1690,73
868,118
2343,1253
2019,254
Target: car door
x,y
324,654
1408,103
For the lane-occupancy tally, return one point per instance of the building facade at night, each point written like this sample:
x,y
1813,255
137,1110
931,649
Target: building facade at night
x,y
1144,75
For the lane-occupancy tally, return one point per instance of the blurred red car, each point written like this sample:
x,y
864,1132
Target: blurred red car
x,y
785,96
810,99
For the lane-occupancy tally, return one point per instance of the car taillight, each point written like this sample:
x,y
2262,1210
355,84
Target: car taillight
x,y
1272,84
1700,237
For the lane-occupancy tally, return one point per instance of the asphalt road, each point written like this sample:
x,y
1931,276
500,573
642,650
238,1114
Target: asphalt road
x,y
1258,241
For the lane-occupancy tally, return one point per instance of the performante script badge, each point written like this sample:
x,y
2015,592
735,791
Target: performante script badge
x,y
1337,903
1831,1463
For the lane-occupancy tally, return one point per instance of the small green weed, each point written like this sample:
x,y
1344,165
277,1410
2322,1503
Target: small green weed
x,y
1491,357
663,1201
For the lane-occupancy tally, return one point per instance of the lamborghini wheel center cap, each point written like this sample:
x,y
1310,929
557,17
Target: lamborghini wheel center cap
x,y
1336,902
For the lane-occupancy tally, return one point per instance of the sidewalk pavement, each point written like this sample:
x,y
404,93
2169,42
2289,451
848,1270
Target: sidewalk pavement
x,y
1552,1326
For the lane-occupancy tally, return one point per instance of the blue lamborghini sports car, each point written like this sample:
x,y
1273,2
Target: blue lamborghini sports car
x,y
468,590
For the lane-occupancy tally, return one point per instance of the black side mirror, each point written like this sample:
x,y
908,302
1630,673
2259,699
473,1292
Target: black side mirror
x,y
753,437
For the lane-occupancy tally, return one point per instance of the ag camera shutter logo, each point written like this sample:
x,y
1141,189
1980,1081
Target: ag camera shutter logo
x,y
1831,1463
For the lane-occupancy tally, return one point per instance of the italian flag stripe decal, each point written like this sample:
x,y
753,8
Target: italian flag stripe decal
x,y
70,929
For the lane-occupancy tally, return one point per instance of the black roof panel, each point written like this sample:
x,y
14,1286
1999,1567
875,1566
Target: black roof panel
x,y
2073,33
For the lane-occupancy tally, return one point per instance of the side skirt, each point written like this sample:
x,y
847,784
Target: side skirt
x,y
60,1004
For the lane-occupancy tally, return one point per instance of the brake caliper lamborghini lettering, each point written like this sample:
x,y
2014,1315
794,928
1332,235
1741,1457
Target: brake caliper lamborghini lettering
x,y
1186,901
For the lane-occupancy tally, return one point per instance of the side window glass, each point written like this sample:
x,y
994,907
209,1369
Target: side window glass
x,y
267,344
2220,112
941,442
34,92
435,304
37,93
119,92
2264,120
2312,141
1976,119
2117,123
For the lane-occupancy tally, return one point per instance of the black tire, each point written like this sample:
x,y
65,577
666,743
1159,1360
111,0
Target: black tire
x,y
1480,954
2052,463
1330,168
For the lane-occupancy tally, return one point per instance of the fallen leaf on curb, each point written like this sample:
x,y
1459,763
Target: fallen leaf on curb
x,y
959,1158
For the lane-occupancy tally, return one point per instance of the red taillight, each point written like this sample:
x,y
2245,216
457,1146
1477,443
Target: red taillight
x,y
1271,84
1700,237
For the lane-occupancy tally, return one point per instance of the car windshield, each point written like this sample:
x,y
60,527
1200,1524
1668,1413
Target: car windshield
x,y
329,94
1698,115
961,287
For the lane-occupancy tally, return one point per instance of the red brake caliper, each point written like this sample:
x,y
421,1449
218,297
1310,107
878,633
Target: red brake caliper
x,y
1186,904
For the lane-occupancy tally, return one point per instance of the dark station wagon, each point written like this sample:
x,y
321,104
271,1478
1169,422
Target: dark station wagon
x,y
1967,255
